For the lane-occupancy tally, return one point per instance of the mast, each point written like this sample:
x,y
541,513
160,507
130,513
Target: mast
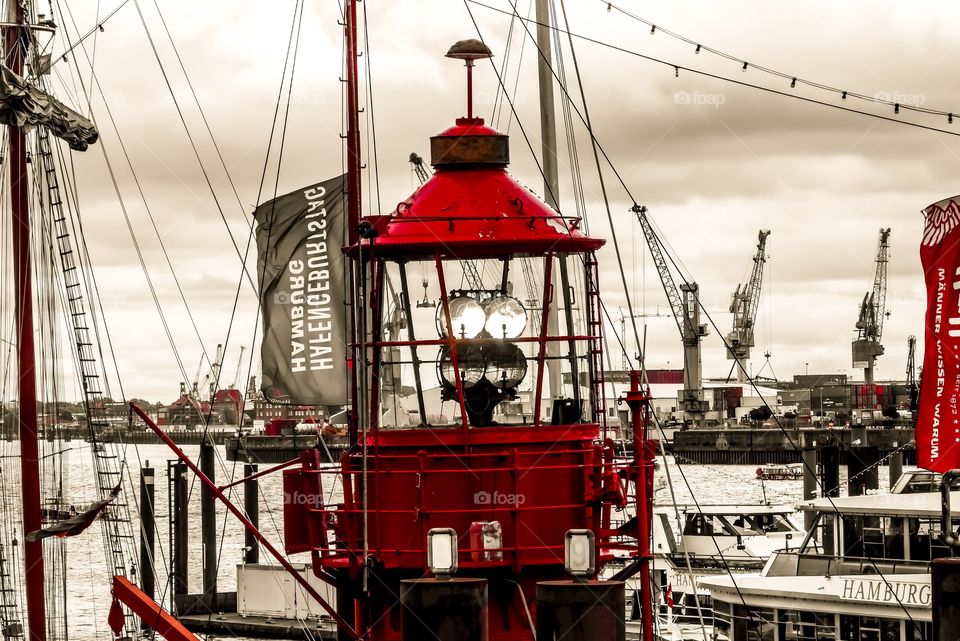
x,y
16,45
551,181
353,125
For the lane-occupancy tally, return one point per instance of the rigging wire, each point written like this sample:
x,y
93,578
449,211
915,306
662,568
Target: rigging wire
x,y
678,67
193,145
203,115
794,79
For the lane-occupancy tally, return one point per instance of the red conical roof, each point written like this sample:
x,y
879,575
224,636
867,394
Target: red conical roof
x,y
471,207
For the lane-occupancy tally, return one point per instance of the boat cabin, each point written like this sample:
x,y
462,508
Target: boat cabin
x,y
723,535
861,574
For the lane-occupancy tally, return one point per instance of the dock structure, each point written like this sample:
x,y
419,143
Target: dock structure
x,y
280,449
750,446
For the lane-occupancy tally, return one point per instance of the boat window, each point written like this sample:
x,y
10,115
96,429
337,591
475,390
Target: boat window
x,y
869,628
760,624
795,625
774,523
698,524
811,542
722,618
917,630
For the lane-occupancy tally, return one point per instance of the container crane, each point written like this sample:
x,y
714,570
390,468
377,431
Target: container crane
x,y
685,304
873,309
743,306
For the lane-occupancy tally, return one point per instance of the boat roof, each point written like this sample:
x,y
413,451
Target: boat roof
x,y
919,504
733,509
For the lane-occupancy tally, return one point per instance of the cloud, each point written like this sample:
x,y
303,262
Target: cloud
x,y
713,161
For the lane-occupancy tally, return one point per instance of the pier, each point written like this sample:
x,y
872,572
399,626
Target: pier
x,y
282,448
748,446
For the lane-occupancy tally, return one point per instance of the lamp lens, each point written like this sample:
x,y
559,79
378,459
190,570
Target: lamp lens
x,y
466,315
506,317
473,367
506,365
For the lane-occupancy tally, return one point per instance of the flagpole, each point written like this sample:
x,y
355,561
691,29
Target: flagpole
x,y
16,45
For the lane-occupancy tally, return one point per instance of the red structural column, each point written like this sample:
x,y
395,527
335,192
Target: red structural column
x,y
26,363
644,451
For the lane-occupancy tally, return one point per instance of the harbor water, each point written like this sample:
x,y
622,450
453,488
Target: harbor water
x,y
87,595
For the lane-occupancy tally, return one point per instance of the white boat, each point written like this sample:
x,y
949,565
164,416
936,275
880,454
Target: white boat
x,y
780,472
725,536
694,543
862,573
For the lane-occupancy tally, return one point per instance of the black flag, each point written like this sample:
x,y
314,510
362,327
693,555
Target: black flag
x,y
301,272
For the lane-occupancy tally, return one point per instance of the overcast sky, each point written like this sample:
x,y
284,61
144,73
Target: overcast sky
x,y
713,162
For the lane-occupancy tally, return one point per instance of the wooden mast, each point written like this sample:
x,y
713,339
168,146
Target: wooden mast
x,y
16,46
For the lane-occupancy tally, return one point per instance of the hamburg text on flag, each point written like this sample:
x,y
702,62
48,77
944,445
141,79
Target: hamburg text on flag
x,y
938,417
301,273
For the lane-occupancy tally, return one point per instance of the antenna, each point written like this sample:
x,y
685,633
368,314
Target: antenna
x,y
468,51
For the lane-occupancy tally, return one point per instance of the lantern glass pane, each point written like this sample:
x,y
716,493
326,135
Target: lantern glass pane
x,y
506,317
466,316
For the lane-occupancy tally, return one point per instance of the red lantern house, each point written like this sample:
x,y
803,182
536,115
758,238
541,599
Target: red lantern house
x,y
482,392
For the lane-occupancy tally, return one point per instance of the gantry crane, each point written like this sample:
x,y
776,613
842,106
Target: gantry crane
x,y
685,304
873,310
743,306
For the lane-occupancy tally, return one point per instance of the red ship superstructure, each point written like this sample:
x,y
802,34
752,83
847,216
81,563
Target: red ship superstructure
x,y
479,408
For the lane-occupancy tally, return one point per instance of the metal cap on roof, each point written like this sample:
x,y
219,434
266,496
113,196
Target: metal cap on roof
x,y
470,49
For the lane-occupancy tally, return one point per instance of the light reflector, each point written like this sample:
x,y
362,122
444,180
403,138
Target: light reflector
x,y
473,367
466,316
506,317
506,365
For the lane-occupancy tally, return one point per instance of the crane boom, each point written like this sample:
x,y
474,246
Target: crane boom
x,y
744,306
873,310
685,303
470,271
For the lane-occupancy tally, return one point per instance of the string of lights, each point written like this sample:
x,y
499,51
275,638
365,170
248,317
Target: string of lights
x,y
795,80
677,68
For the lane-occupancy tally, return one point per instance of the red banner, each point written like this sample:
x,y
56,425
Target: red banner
x,y
938,419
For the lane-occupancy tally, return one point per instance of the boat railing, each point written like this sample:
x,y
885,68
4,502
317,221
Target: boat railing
x,y
786,563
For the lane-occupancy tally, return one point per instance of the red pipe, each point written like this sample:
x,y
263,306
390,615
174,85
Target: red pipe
x,y
643,462
541,358
309,589
26,363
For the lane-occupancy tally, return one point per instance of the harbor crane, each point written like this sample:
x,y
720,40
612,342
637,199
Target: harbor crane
x,y
685,303
470,271
743,306
913,389
416,162
625,361
873,309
